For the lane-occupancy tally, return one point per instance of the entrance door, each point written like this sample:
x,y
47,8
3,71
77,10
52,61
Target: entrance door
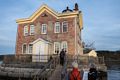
x,y
40,50
37,53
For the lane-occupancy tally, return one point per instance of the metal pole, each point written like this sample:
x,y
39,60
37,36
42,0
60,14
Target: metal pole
x,y
103,59
19,74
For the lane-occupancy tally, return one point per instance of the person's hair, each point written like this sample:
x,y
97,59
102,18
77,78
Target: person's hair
x,y
92,65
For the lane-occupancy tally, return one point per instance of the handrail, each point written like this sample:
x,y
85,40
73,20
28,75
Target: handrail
x,y
39,73
64,69
52,62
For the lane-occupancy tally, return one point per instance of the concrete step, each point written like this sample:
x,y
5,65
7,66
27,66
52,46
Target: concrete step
x,y
56,74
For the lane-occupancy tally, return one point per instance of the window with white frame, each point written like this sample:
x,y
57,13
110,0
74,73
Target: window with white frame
x,y
57,27
64,45
44,29
56,47
32,28
30,47
25,30
24,48
65,26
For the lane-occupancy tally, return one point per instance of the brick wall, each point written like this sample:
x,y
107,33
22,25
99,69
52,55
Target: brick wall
x,y
50,36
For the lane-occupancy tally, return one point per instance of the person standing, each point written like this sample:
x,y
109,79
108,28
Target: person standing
x,y
93,74
75,74
62,57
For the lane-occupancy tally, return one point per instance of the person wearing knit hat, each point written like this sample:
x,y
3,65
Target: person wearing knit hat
x,y
75,65
75,73
92,65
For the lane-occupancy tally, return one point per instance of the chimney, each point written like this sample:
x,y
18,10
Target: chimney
x,y
67,8
76,7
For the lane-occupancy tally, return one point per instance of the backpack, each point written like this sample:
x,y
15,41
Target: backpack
x,y
92,75
75,77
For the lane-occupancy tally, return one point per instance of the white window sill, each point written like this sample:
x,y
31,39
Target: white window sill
x,y
43,33
56,32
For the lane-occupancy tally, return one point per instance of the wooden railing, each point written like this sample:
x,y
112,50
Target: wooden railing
x,y
47,70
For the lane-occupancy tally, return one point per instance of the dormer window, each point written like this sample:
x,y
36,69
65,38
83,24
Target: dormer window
x,y
57,27
44,29
32,28
64,26
25,30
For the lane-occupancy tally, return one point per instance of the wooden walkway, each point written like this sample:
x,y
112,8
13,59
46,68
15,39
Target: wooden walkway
x,y
56,75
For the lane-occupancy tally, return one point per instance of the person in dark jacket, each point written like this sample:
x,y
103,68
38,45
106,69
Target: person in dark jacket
x,y
75,74
93,74
62,57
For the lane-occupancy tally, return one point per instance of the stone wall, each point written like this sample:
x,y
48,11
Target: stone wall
x,y
17,59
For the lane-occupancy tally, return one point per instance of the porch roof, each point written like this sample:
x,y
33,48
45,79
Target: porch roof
x,y
40,39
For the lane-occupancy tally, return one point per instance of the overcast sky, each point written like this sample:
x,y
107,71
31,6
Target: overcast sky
x,y
101,20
